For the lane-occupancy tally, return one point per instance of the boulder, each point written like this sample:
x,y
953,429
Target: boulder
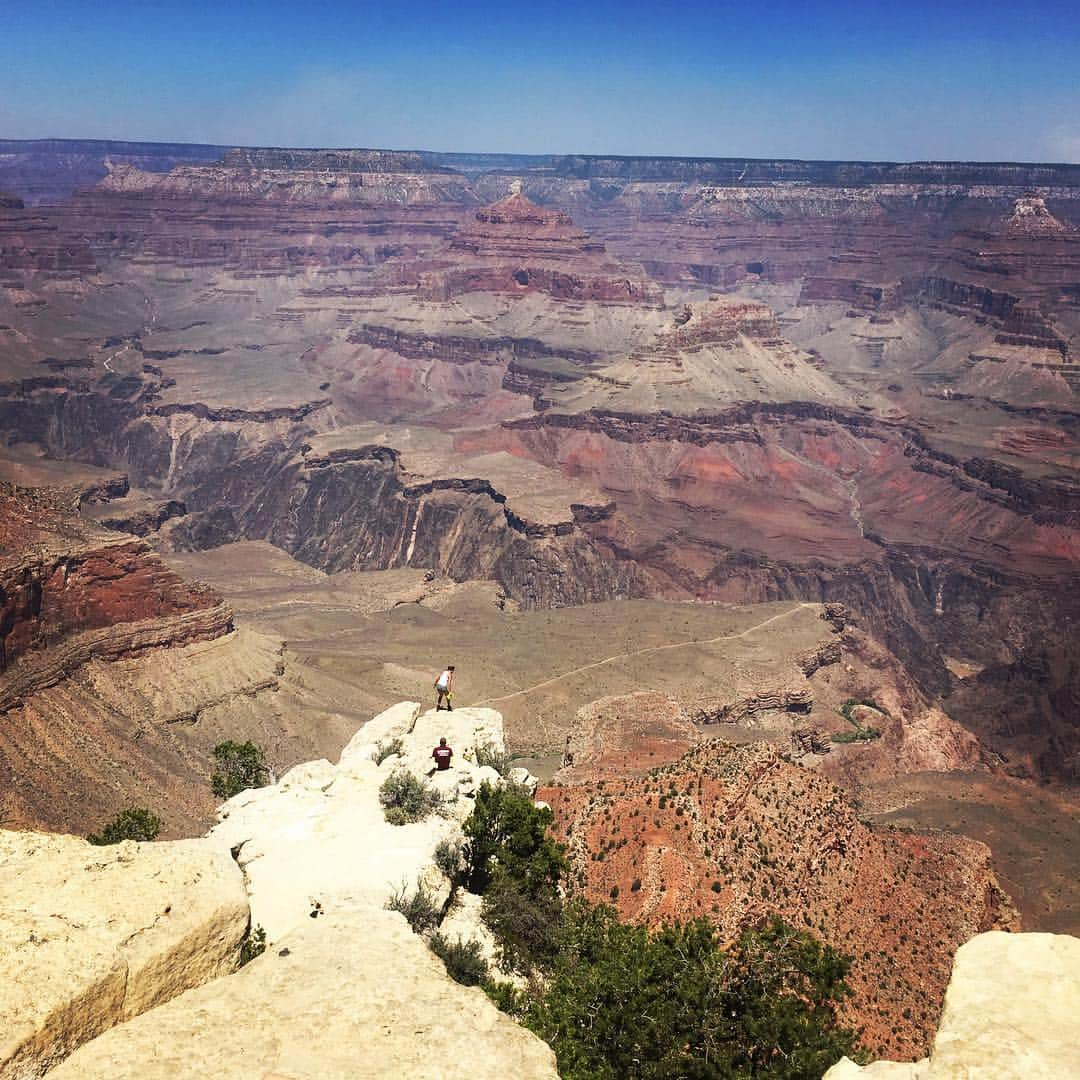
x,y
353,995
91,936
1010,1011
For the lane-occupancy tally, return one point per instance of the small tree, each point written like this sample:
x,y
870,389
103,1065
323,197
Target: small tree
x,y
623,1001
135,823
239,766
512,861
507,830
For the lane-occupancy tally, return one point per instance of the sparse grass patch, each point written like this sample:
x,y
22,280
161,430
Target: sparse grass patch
x,y
494,758
448,859
385,749
418,907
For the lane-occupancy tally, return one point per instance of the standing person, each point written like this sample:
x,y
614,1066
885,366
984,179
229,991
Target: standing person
x,y
442,755
444,688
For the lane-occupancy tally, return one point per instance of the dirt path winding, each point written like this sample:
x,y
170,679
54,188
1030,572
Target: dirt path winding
x,y
645,652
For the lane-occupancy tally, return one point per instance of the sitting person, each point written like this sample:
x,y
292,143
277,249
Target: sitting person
x,y
442,755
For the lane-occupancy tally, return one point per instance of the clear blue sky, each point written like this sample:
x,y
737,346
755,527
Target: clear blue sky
x,y
901,80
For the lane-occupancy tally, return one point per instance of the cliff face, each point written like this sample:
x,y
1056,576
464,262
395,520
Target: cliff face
x,y
882,414
733,833
47,171
73,592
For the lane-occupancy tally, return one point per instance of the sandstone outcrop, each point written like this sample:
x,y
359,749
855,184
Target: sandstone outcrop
x,y
1010,1011
320,834
92,936
319,863
351,994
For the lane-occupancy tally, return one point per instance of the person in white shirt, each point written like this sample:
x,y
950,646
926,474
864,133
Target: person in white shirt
x,y
444,689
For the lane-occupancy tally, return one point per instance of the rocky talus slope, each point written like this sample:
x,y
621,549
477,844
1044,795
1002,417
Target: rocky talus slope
x,y
344,988
734,833
1010,1012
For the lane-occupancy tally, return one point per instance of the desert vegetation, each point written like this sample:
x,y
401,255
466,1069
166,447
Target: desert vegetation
x,y
618,1000
239,766
406,798
135,823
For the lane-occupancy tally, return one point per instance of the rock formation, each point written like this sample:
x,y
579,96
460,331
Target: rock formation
x,y
1010,1011
733,833
130,927
93,936
344,996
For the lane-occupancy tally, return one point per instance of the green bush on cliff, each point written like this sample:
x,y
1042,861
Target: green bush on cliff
x,y
135,823
239,766
507,832
254,944
513,862
418,906
464,960
626,1001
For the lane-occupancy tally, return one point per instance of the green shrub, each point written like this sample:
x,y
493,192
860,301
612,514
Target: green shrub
x,y
254,944
524,924
848,707
507,997
464,960
383,750
507,830
407,798
765,1009
239,766
135,823
448,859
418,907
860,734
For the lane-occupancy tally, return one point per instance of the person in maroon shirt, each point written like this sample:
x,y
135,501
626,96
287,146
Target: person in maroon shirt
x,y
442,755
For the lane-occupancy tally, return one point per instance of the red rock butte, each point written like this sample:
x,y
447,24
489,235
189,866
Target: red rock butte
x,y
514,246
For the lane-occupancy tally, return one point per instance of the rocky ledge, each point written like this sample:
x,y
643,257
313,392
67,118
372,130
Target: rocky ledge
x,y
71,591
1010,1011
103,935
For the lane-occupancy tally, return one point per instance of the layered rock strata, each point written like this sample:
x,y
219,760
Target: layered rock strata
x,y
70,592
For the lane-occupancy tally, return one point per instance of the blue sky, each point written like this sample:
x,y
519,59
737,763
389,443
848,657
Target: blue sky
x,y
900,81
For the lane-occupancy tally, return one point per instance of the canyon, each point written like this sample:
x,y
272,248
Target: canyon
x,y
698,468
